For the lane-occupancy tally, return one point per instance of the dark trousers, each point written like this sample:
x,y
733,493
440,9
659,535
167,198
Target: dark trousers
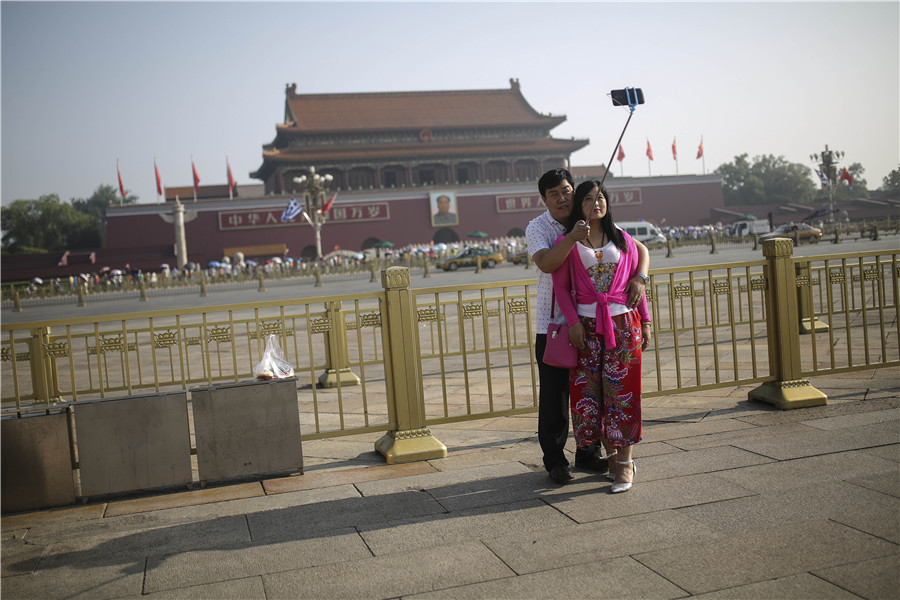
x,y
553,410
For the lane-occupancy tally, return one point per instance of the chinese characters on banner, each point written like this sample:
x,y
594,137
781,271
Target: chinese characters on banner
x,y
506,204
271,217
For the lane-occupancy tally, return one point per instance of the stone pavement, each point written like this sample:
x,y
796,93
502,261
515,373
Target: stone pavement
x,y
732,499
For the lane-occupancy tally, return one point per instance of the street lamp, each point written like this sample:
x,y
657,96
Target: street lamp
x,y
827,160
314,197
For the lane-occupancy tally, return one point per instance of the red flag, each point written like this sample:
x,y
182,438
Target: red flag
x,y
158,180
328,204
649,151
674,151
231,182
196,178
121,187
621,155
700,149
846,176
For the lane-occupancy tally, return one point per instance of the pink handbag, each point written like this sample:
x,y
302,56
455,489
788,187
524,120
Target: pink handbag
x,y
559,352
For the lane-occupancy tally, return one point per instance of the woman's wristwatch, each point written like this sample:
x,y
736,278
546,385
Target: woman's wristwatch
x,y
645,278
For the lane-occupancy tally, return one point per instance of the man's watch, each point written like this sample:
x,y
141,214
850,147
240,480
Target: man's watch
x,y
646,278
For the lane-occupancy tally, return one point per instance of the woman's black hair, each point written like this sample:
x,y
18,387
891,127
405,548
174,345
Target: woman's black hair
x,y
612,232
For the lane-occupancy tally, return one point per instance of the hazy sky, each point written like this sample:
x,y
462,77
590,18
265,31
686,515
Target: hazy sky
x,y
85,84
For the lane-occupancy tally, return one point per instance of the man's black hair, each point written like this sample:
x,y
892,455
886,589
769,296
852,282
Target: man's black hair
x,y
553,178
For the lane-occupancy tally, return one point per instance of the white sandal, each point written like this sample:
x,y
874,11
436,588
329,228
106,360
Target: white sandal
x,y
618,488
611,475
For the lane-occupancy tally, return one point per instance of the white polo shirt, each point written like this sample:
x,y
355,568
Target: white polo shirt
x,y
542,233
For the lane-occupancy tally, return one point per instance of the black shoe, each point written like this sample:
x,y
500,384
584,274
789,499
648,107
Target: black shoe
x,y
594,463
560,474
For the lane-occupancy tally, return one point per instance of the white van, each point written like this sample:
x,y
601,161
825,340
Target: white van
x,y
643,231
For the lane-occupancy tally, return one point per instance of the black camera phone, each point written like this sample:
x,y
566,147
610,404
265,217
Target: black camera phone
x,y
627,96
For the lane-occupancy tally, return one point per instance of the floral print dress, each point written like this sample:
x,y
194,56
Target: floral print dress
x,y
605,385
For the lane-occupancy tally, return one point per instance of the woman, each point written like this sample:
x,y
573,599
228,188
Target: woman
x,y
610,328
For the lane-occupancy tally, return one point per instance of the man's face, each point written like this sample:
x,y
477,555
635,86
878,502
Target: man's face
x,y
559,201
443,205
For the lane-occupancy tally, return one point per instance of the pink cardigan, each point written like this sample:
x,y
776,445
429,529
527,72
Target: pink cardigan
x,y
586,293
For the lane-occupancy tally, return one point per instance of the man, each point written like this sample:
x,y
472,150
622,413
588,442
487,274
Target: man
x,y
443,216
557,188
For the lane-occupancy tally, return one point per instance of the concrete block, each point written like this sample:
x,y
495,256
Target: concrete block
x,y
232,589
133,443
36,462
247,429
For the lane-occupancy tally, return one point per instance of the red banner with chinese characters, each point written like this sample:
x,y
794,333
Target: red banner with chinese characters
x,y
271,217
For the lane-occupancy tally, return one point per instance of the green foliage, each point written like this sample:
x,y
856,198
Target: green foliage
x,y
767,180
51,225
891,182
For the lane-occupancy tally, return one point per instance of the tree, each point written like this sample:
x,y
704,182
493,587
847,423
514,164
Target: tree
x,y
95,206
45,224
767,180
50,225
891,182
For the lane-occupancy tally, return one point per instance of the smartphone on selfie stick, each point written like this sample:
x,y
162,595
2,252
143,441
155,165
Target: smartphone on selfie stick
x,y
629,97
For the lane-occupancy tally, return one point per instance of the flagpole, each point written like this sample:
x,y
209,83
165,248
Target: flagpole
x,y
230,187
155,173
193,178
119,175
675,154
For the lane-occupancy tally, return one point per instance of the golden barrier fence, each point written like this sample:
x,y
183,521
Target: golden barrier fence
x,y
398,360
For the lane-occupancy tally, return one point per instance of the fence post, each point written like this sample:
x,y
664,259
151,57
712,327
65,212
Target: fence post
x,y
478,264
43,372
262,282
203,293
17,303
427,268
712,243
80,296
143,292
803,281
318,276
409,440
788,389
337,366
669,244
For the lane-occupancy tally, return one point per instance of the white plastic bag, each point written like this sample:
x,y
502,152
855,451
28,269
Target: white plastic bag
x,y
273,365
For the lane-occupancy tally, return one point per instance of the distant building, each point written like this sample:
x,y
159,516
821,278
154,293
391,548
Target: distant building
x,y
390,140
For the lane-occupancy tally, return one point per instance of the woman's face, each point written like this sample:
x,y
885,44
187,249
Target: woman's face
x,y
593,207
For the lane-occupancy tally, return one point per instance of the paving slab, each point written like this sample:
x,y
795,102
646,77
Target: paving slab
x,y
742,431
811,470
886,483
78,582
863,509
823,442
329,478
20,557
615,578
117,547
205,566
391,576
463,526
763,554
876,578
190,498
661,432
233,589
298,522
644,497
531,551
853,420
794,587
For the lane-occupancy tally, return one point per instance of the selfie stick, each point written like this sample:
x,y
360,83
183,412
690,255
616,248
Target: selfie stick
x,y
632,104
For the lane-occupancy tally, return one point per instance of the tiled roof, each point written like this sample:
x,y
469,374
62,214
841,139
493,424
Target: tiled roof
x,y
318,113
499,148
